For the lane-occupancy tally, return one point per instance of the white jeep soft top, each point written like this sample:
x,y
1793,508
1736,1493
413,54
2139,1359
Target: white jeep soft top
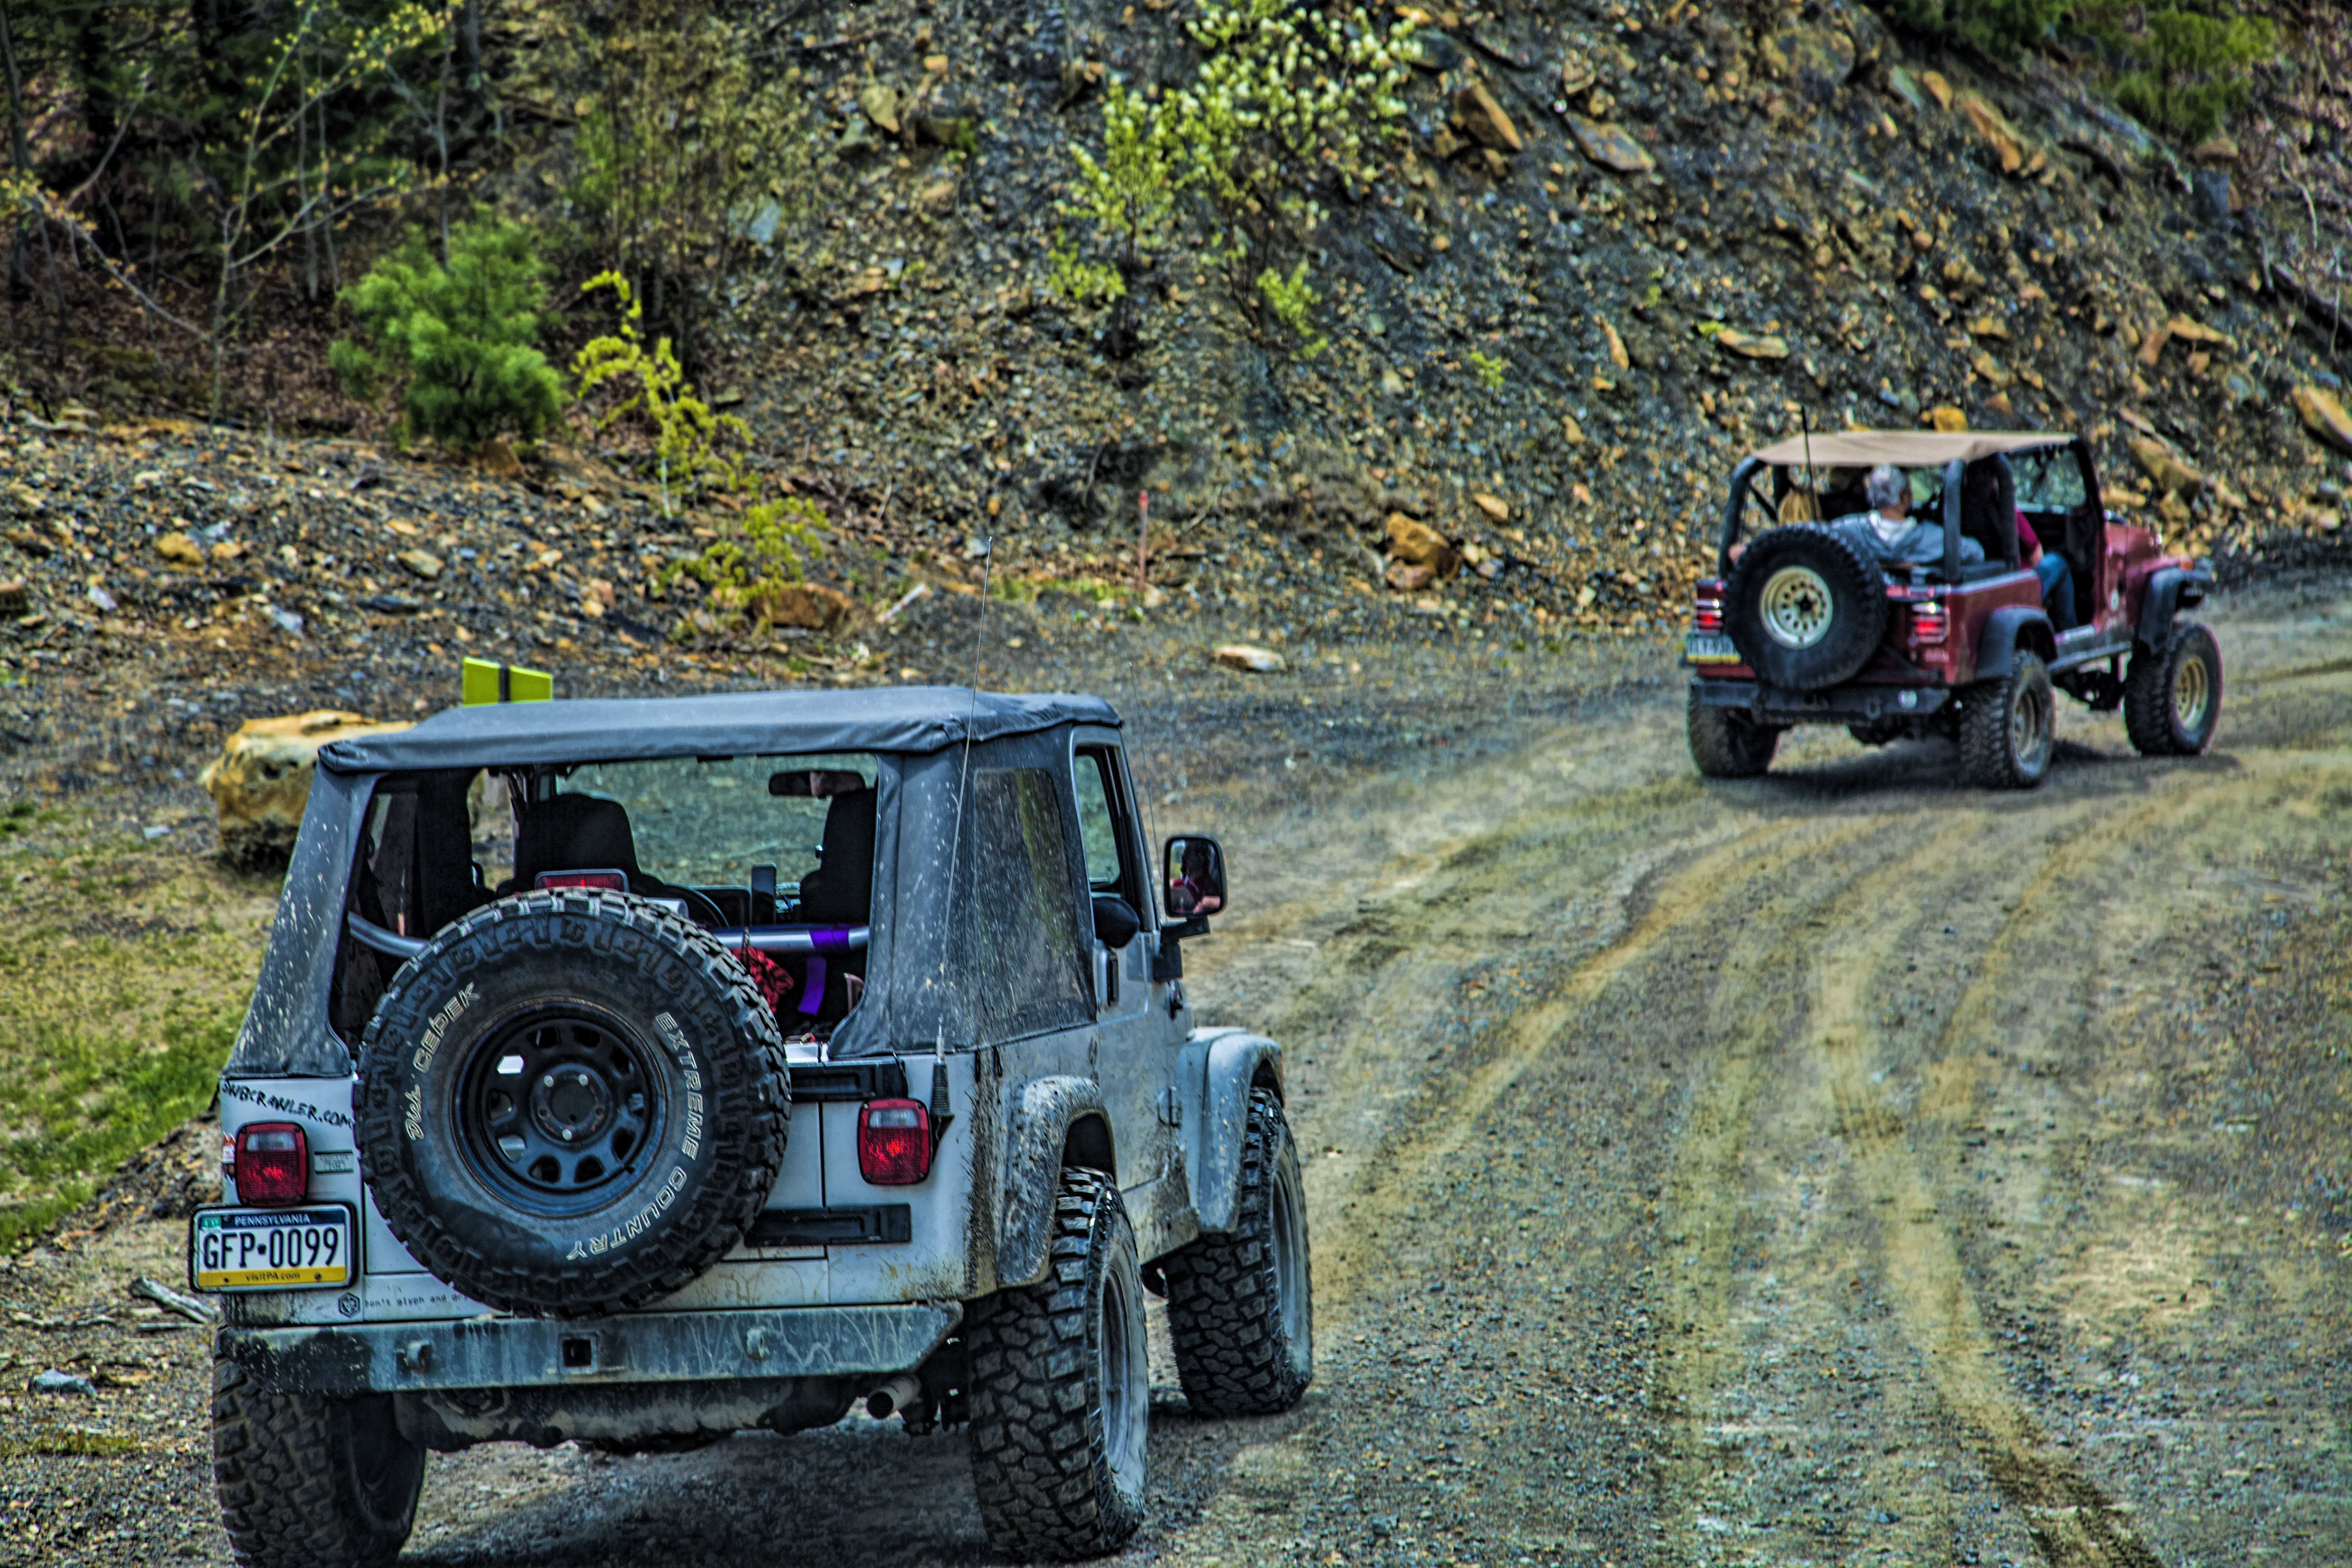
x,y
638,1072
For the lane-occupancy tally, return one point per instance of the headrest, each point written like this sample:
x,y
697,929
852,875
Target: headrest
x,y
573,832
842,889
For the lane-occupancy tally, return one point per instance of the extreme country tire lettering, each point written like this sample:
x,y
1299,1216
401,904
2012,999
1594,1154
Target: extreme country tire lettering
x,y
2172,698
1240,1307
308,1481
572,1103
1727,744
1060,1390
1805,607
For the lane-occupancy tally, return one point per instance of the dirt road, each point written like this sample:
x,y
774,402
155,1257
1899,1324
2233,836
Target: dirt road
x,y
1842,1167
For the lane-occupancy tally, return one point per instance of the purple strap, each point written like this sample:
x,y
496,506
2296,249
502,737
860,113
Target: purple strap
x,y
813,993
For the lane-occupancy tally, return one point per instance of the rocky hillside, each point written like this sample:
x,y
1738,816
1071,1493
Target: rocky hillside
x,y
1616,246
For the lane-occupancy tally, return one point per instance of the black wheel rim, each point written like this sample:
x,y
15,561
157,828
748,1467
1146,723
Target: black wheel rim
x,y
558,1107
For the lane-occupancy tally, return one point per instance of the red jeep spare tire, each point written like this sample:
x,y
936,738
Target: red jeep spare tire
x,y
570,1103
1805,607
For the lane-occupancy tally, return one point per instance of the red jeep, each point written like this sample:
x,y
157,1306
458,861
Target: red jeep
x,y
1811,624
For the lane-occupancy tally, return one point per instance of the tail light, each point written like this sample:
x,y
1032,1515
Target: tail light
x,y
272,1164
1930,622
1706,607
611,882
894,1142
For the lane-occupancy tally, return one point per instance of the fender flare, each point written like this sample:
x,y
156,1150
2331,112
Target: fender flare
x,y
1041,1114
2005,629
1236,1063
2169,590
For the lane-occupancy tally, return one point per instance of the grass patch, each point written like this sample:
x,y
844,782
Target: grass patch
x,y
78,1104
124,970
1029,590
90,1445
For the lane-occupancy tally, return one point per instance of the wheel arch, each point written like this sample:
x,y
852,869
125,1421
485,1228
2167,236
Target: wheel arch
x,y
1053,1122
2169,590
2006,630
1237,1063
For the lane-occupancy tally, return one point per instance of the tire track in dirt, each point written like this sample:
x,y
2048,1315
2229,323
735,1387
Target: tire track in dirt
x,y
2074,1523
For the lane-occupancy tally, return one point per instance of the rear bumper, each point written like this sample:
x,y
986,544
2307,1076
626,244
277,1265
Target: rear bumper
x,y
1839,705
640,1347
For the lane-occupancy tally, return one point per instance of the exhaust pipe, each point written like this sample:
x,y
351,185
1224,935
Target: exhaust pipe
x,y
901,1393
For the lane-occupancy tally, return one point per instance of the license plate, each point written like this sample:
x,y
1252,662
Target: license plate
x,y
1709,648
271,1250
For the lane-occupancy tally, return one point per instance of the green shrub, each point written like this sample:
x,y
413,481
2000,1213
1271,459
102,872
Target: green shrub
x,y
2005,29
458,341
2190,68
758,557
687,434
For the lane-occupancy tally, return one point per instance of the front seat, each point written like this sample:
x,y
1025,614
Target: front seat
x,y
582,833
840,891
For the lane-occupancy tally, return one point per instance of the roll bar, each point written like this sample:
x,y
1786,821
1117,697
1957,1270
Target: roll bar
x,y
767,939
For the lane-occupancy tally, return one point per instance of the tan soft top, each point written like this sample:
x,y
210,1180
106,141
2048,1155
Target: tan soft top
x,y
1905,448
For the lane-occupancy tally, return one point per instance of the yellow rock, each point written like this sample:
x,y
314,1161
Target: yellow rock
x,y
261,781
1748,347
1418,544
1485,120
179,551
1610,146
2165,467
1937,88
1495,507
1989,123
2323,416
881,104
1253,660
1570,431
1617,355
1947,418
422,563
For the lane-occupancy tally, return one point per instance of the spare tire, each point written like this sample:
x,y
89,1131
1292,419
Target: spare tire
x,y
1805,607
570,1103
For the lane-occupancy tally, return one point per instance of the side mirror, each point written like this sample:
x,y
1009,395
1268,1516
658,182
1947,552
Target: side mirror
x,y
1194,885
1116,923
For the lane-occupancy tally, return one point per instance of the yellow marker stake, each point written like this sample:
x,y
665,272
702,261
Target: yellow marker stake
x,y
483,681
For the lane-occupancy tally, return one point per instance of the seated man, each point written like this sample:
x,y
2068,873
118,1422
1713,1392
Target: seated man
x,y
1886,531
2057,576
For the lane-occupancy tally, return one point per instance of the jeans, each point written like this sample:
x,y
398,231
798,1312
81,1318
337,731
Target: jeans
x,y
2057,589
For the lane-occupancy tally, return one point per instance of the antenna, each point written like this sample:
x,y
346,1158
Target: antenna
x,y
1812,475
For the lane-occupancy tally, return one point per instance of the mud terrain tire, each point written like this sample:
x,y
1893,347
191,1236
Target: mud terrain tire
x,y
2172,698
1727,744
1240,1307
308,1481
570,1103
2008,727
1060,1390
1805,607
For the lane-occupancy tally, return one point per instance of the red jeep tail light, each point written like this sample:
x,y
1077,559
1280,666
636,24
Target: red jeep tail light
x,y
1930,622
1706,607
611,881
894,1142
273,1164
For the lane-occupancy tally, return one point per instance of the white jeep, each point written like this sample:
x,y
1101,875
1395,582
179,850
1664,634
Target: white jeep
x,y
633,1073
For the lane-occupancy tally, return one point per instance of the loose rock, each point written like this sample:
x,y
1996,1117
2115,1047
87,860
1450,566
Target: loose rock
x,y
420,564
181,550
2323,415
1485,120
1251,659
261,781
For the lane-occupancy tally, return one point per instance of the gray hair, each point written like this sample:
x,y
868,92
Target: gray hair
x,y
1885,485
